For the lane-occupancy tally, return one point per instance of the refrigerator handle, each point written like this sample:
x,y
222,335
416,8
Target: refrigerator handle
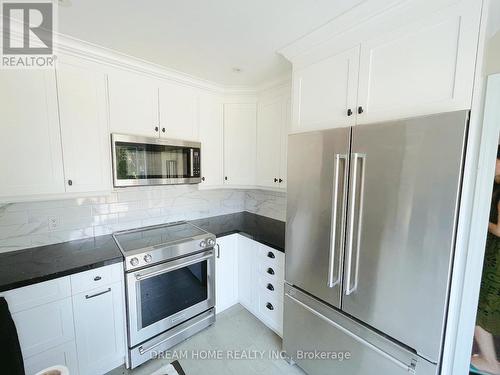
x,y
333,279
355,217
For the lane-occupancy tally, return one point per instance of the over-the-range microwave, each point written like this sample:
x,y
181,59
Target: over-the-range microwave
x,y
139,161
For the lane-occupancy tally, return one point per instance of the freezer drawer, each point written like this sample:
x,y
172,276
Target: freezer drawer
x,y
313,328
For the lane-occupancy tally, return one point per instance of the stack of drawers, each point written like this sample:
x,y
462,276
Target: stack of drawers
x,y
270,266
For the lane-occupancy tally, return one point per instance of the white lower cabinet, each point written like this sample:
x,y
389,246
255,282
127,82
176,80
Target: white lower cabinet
x,y
226,279
260,282
83,330
99,321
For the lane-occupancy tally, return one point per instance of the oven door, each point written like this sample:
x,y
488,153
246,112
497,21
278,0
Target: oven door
x,y
163,296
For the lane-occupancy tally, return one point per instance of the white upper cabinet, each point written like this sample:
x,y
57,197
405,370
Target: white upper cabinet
x,y
212,138
325,92
84,127
423,68
30,142
178,112
414,58
240,122
133,104
273,117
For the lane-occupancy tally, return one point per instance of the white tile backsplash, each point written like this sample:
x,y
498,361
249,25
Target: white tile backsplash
x,y
26,224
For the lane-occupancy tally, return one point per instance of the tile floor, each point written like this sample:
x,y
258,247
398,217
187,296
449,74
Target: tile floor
x,y
237,331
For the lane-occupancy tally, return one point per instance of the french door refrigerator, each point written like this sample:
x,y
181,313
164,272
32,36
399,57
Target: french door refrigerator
x,y
371,221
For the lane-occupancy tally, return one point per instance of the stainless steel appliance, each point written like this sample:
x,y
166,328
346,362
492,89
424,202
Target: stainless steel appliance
x,y
154,161
371,221
170,285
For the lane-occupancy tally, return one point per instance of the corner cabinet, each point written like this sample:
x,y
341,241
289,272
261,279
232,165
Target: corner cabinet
x,y
272,131
30,145
240,122
413,59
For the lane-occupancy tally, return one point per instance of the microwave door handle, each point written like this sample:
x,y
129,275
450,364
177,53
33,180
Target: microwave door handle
x,y
143,276
355,218
191,159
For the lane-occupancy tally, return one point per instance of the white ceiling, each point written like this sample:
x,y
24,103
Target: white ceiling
x,y
204,38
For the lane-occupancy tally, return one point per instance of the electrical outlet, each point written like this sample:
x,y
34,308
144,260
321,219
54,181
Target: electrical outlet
x,y
53,222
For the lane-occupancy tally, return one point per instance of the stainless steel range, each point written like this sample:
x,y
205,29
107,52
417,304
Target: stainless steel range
x,y
170,286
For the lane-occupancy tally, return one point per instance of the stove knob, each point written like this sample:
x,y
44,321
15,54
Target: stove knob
x,y
210,242
203,244
134,261
148,258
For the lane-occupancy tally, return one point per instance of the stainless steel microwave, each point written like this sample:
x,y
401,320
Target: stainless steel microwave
x,y
139,161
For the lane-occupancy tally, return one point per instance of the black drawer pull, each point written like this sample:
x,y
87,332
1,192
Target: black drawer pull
x,y
270,287
271,255
269,306
270,271
97,278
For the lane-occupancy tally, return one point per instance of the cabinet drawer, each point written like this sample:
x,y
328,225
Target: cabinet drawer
x,y
44,327
270,287
37,294
271,256
271,312
96,278
270,270
64,354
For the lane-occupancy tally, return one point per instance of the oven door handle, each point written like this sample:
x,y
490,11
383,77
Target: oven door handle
x,y
143,276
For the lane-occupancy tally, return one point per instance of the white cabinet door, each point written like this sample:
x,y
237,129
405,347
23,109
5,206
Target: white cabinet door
x,y
178,112
44,327
99,329
269,126
64,354
212,141
247,275
426,67
84,127
240,122
226,275
30,141
133,104
324,92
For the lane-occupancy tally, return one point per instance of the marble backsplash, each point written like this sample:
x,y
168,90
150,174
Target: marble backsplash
x,y
30,224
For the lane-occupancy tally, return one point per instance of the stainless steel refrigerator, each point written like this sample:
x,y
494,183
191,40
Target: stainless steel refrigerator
x,y
371,221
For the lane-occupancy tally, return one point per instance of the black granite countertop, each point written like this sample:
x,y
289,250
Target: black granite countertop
x,y
30,266
270,232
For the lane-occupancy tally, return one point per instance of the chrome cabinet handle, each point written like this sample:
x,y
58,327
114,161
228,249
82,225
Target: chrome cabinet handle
x,y
352,286
218,251
333,279
97,294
